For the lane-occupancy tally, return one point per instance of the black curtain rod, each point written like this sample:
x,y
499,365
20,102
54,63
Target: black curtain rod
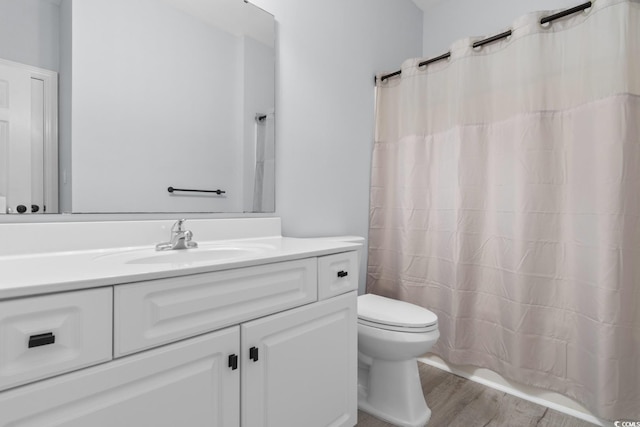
x,y
564,13
492,39
432,60
495,38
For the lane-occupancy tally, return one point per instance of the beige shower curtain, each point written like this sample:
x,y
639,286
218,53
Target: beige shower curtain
x,y
506,198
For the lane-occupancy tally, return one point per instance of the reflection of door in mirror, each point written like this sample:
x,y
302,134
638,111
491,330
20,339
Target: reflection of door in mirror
x,y
28,139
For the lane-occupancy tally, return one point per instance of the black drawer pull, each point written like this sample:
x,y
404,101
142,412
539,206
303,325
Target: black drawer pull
x,y
42,339
343,273
253,354
233,361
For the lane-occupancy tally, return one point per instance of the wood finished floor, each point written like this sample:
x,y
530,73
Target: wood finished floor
x,y
458,402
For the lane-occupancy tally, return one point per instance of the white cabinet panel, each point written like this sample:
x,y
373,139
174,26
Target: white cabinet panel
x,y
337,274
306,368
48,335
161,311
186,384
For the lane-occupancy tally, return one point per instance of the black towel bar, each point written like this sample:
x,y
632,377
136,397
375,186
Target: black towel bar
x,y
171,190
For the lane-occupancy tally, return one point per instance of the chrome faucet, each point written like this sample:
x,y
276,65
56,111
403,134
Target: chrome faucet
x,y
180,238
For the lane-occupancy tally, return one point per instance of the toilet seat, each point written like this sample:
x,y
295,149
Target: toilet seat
x,y
393,315
408,330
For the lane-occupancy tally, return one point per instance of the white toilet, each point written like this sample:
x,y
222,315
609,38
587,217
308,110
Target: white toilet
x,y
391,335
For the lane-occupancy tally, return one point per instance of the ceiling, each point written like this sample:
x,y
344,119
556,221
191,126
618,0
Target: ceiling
x,y
425,4
233,16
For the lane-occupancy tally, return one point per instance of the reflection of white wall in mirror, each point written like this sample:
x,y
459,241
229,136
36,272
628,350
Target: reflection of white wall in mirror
x,y
29,32
264,179
231,16
147,120
259,75
64,122
4,152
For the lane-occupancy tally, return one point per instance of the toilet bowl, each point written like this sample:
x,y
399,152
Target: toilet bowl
x,y
391,335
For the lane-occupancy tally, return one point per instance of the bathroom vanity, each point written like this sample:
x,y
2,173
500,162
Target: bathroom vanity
x,y
250,329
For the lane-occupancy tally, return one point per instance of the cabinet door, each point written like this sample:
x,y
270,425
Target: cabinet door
x,y
184,384
306,368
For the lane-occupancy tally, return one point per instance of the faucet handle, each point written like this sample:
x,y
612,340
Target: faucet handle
x,y
177,227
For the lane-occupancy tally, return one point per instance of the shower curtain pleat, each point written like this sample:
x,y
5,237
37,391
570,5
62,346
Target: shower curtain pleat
x,y
505,198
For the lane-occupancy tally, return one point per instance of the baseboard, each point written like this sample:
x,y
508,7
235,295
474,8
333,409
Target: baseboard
x,y
491,379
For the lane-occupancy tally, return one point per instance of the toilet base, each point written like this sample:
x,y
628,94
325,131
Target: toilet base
x,y
393,393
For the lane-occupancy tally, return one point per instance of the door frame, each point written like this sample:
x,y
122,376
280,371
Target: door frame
x,y
50,173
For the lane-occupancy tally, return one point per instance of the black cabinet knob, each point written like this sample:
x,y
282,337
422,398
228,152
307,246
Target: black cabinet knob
x,y
343,273
35,208
21,209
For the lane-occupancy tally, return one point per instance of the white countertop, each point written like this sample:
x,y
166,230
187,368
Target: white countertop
x,y
42,273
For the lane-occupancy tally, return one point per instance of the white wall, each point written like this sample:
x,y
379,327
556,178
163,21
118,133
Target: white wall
x,y
146,110
451,20
328,53
29,32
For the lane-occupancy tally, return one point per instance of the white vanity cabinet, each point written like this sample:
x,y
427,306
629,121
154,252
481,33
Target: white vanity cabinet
x,y
183,384
299,368
249,347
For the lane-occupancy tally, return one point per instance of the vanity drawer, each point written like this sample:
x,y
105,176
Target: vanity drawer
x,y
337,274
44,336
160,311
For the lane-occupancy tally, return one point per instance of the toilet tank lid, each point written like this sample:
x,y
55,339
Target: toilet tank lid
x,y
393,312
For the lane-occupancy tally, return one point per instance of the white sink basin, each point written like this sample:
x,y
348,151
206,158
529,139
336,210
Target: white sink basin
x,y
204,254
191,256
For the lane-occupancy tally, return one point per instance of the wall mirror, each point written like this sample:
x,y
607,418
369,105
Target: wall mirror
x,y
136,106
